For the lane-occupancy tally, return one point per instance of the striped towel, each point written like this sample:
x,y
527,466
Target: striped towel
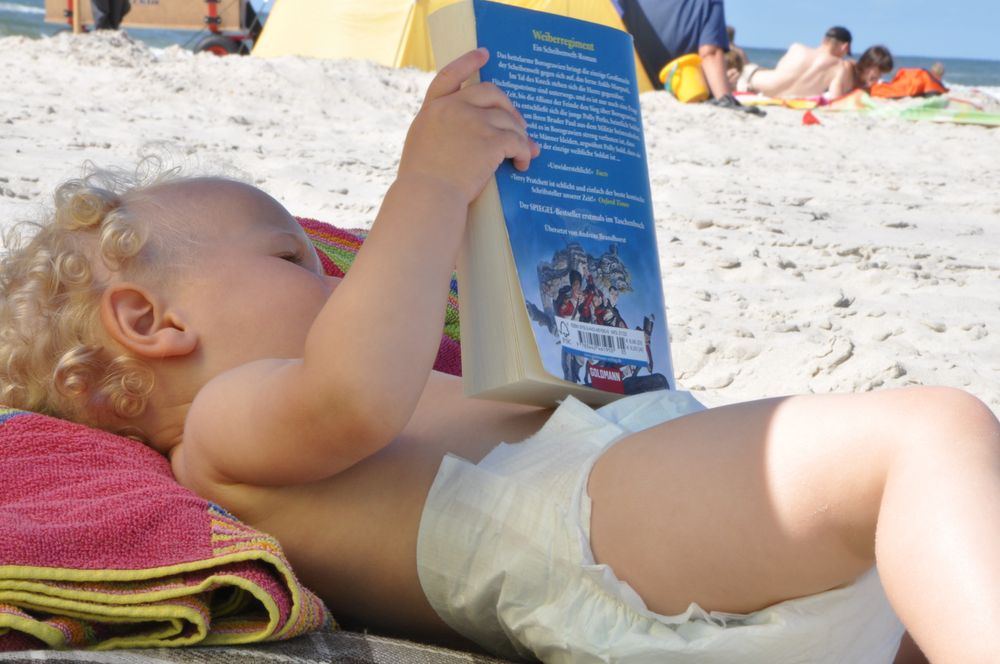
x,y
101,548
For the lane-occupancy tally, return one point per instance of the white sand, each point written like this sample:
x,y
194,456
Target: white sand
x,y
860,254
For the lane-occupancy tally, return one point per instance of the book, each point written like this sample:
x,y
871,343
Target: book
x,y
559,282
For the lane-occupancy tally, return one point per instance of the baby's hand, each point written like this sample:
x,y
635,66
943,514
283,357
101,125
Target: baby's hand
x,y
461,135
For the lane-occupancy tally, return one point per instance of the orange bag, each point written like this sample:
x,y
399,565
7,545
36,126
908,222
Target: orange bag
x,y
909,82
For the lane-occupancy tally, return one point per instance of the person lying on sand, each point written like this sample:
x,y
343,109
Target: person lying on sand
x,y
804,71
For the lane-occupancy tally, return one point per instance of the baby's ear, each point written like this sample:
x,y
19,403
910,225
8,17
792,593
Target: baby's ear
x,y
140,321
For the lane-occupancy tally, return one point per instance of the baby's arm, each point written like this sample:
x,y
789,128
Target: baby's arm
x,y
453,146
370,351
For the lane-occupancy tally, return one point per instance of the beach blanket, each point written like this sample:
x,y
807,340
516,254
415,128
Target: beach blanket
x,y
758,99
101,548
951,107
963,107
319,647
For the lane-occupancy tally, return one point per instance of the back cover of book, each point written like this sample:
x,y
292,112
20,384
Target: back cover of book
x,y
580,219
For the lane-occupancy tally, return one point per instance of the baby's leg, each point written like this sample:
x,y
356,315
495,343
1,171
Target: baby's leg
x,y
742,506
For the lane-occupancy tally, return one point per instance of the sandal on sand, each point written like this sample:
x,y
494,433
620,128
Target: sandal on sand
x,y
729,101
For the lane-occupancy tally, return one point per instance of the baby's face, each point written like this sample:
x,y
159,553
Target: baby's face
x,y
254,284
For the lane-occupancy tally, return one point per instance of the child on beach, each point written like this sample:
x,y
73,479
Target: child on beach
x,y
193,313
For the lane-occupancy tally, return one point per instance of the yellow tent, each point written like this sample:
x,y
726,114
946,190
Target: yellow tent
x,y
390,32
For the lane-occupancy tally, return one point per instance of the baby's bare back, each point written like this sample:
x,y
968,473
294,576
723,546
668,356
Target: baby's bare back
x,y
352,537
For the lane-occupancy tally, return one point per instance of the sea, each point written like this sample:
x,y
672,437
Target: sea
x,y
27,17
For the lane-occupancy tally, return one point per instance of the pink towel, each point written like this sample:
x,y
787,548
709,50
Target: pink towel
x,y
100,547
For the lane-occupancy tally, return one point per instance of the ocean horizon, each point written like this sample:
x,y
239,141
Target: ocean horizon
x,y
27,18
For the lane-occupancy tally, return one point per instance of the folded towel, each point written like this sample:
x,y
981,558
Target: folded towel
x,y
100,547
337,247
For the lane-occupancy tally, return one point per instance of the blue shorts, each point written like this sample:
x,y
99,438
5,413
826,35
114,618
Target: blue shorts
x,y
667,29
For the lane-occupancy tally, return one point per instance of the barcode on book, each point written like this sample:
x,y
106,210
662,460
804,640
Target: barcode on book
x,y
602,342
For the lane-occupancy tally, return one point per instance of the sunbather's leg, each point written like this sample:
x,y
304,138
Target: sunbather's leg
x,y
742,506
713,64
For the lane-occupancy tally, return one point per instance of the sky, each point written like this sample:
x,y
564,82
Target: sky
x,y
933,28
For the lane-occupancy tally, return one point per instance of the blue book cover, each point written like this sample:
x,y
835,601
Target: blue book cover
x,y
580,219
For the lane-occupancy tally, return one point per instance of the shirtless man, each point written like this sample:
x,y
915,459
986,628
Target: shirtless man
x,y
807,72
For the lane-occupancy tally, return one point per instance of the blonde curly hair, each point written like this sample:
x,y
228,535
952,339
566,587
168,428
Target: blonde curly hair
x,y
53,355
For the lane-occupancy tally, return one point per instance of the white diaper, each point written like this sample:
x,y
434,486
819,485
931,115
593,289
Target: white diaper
x,y
504,558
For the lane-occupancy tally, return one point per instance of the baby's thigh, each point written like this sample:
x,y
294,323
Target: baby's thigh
x,y
742,506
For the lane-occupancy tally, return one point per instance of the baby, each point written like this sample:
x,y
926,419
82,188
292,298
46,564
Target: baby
x,y
193,313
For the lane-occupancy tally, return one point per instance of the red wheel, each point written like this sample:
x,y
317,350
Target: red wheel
x,y
218,44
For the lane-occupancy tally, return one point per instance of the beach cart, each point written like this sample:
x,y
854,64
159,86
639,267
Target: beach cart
x,y
230,26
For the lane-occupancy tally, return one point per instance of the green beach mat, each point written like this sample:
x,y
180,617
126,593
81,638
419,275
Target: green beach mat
x,y
952,115
942,108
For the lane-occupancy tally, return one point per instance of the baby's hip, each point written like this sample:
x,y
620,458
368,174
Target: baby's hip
x,y
504,558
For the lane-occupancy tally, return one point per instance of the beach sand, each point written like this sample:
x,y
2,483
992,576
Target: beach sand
x,y
859,254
